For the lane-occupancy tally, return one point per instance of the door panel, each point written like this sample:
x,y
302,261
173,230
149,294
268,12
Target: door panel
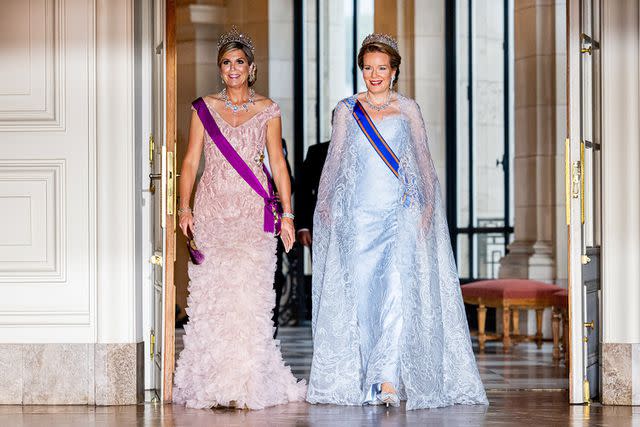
x,y
157,182
162,206
590,140
169,178
583,196
48,171
591,280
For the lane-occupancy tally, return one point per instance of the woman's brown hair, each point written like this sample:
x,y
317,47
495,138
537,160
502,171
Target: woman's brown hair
x,y
247,52
394,57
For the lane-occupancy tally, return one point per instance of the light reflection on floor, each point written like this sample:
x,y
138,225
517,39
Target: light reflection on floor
x,y
524,369
503,375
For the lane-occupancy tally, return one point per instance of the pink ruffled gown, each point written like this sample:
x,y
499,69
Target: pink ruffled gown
x,y
230,357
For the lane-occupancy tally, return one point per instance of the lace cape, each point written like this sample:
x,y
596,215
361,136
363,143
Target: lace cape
x,y
438,367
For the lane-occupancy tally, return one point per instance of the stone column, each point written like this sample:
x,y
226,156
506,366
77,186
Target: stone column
x,y
540,246
396,18
540,103
419,28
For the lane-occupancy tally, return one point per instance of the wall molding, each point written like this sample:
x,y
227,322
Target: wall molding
x,y
116,316
51,175
43,318
56,303
52,116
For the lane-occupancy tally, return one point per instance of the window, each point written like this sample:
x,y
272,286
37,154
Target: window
x,y
339,32
480,210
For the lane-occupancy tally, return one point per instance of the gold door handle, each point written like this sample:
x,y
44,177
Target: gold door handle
x,y
567,179
152,185
575,180
588,44
156,259
171,179
582,182
151,149
152,344
589,325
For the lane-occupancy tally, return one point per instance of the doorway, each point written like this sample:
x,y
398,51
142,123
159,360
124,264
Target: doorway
x,y
155,130
583,196
188,50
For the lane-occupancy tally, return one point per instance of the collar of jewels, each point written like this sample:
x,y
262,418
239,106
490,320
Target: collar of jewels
x,y
381,38
236,36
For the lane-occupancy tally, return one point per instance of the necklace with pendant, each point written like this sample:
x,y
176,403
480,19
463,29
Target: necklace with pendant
x,y
377,107
235,107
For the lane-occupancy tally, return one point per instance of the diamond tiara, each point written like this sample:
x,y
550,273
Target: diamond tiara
x,y
381,38
236,36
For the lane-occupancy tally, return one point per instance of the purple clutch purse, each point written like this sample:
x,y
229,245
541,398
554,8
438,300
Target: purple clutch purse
x,y
197,257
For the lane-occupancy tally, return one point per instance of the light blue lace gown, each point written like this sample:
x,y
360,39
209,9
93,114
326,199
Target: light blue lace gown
x,y
386,297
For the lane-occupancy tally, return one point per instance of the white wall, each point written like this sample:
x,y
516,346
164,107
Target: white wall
x,y
621,172
117,318
429,77
67,269
47,195
280,63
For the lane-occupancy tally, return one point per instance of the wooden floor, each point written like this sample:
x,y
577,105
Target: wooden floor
x,y
507,408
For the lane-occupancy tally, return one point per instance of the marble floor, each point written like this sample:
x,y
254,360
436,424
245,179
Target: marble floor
x,y
526,368
524,389
507,408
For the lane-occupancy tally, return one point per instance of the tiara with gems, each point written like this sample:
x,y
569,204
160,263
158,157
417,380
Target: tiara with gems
x,y
236,36
381,38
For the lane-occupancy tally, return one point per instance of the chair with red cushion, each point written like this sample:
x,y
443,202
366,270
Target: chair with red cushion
x,y
510,295
560,303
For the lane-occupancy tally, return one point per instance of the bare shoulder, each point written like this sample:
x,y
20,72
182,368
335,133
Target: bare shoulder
x,y
214,100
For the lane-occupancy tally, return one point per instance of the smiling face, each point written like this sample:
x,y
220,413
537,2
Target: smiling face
x,y
377,72
235,68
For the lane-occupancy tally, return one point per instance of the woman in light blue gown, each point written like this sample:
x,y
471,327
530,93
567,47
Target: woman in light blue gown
x,y
388,318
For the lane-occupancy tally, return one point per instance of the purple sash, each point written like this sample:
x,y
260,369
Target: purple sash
x,y
272,209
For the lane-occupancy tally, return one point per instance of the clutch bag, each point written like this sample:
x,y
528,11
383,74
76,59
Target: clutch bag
x,y
197,257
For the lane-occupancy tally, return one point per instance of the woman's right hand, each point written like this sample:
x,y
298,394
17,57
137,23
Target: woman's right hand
x,y
186,223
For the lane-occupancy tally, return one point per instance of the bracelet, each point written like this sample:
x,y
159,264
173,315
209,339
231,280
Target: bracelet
x,y
288,215
182,211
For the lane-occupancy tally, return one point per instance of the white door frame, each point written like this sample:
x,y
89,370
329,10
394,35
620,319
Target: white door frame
x,y
573,204
144,123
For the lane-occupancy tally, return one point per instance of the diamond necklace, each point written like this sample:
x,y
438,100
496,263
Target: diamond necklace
x,y
377,107
234,107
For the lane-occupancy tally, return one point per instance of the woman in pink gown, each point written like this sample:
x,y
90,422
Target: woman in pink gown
x,y
230,358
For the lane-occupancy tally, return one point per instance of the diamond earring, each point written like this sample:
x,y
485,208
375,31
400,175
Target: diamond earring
x,y
252,73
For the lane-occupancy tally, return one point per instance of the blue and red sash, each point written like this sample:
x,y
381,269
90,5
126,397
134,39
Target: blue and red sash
x,y
375,138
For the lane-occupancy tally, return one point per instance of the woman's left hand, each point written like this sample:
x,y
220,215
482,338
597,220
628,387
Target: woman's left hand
x,y
287,233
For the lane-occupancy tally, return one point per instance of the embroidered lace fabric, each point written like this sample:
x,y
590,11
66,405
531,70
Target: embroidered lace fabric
x,y
230,356
386,296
